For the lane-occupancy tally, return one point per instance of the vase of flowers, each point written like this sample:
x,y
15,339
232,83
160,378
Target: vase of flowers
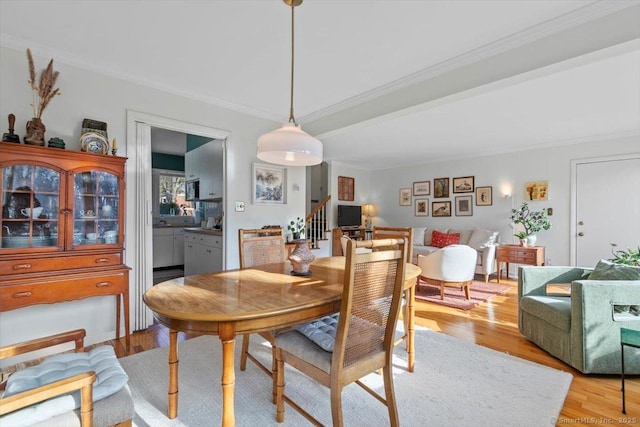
x,y
43,93
296,227
532,222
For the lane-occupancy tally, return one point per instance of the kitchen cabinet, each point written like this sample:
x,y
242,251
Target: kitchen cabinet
x,y
62,226
168,246
205,164
202,253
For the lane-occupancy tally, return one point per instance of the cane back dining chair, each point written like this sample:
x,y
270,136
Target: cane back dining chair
x,y
364,336
407,318
41,395
259,247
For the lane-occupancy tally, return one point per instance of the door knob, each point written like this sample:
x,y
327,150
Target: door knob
x,y
581,234
580,222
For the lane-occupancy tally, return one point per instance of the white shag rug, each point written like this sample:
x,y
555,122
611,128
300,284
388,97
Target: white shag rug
x,y
455,383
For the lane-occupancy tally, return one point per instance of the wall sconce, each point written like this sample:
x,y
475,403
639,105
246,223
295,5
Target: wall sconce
x,y
367,210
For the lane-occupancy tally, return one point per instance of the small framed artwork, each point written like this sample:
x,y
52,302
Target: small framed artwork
x,y
463,184
484,196
422,188
536,190
441,208
464,206
422,207
405,197
440,187
269,184
346,188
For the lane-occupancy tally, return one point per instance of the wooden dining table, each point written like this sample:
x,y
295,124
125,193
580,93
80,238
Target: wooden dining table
x,y
235,302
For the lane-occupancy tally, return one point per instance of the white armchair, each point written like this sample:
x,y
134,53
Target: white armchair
x,y
453,266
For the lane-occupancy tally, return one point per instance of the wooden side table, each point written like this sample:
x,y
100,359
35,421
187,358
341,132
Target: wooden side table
x,y
531,255
631,338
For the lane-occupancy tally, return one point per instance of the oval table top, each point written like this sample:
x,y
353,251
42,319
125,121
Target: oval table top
x,y
251,295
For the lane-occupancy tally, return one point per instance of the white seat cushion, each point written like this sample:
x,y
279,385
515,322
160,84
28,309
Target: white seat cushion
x,y
110,377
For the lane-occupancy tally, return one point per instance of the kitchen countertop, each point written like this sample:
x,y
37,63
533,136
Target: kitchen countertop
x,y
214,232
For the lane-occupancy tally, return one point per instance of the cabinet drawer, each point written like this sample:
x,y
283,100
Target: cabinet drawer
x,y
22,266
62,288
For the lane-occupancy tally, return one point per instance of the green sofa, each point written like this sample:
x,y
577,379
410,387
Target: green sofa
x,y
583,329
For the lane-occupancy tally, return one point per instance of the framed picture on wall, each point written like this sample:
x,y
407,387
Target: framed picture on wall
x,y
463,184
464,206
484,196
405,197
422,207
269,184
440,187
422,188
536,191
346,188
441,208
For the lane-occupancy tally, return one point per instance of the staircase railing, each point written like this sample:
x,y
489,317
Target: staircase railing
x,y
316,223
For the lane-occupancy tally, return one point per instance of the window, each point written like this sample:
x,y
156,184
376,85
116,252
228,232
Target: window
x,y
170,199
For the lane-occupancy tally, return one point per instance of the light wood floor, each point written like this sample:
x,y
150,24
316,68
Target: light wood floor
x,y
592,399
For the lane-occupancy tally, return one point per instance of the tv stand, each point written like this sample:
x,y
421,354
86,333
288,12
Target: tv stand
x,y
355,233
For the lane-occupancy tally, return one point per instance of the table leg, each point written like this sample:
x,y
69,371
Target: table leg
x,y
228,339
173,373
499,272
125,307
411,330
622,376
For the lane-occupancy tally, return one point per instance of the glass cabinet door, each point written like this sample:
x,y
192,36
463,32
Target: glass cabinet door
x,y
95,208
30,200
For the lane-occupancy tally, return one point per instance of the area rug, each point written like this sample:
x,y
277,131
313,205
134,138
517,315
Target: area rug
x,y
455,383
454,297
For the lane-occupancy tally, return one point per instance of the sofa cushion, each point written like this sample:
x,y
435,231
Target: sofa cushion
x,y
464,235
607,270
428,235
554,310
481,238
418,236
440,240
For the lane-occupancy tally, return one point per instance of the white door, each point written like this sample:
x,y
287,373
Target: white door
x,y
607,207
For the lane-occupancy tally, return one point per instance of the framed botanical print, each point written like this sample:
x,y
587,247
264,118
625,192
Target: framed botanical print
x,y
484,196
441,208
464,206
405,197
269,184
422,207
440,187
536,190
422,188
463,184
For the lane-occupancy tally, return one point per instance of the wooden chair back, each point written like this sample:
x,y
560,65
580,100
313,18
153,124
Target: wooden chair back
x,y
371,300
396,233
261,246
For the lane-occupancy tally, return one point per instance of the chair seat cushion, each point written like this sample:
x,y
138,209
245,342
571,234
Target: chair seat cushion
x,y
321,331
110,377
554,310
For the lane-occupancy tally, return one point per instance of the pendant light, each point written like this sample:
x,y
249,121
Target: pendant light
x,y
290,145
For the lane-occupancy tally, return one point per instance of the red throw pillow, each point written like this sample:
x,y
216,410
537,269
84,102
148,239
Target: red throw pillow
x,y
440,240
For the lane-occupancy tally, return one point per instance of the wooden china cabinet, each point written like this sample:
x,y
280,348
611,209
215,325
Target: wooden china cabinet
x,y
62,228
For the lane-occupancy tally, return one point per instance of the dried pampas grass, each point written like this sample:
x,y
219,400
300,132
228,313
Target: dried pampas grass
x,y
44,91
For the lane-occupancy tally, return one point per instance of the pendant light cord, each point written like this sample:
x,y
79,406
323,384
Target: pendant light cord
x,y
291,117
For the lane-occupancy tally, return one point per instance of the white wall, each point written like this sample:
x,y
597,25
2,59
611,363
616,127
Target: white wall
x,y
505,173
362,187
87,94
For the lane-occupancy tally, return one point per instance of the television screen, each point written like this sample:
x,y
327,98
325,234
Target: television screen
x,y
349,216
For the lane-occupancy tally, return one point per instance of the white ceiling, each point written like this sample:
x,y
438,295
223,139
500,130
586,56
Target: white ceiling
x,y
382,83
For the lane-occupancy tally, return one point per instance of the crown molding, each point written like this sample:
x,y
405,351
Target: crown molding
x,y
591,12
62,57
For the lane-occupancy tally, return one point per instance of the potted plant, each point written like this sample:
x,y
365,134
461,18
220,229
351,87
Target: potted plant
x,y
628,257
296,227
532,222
